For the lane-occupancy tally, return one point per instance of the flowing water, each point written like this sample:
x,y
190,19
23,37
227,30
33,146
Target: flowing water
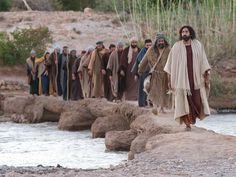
x,y
220,123
43,144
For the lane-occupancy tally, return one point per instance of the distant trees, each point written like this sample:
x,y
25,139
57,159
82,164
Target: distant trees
x,y
5,5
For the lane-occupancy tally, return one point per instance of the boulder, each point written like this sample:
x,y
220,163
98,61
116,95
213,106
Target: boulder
x,y
74,121
17,104
109,123
119,140
139,143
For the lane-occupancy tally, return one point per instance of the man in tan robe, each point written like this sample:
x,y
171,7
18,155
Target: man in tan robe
x,y
95,70
112,69
156,58
85,79
188,68
128,59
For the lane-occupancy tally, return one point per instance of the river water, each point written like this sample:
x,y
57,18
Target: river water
x,y
220,123
43,144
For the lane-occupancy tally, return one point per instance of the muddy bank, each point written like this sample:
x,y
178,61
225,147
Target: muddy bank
x,y
160,146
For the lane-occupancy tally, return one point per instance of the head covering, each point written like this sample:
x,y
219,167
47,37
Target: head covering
x,y
134,39
90,49
160,36
33,52
56,46
120,44
99,42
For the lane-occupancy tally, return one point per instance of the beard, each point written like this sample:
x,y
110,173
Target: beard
x,y
161,46
186,38
133,46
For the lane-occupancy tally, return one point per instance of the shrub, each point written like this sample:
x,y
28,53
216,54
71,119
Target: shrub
x,y
15,49
5,5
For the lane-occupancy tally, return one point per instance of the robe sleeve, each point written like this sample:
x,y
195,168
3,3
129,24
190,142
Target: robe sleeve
x,y
92,60
167,67
110,63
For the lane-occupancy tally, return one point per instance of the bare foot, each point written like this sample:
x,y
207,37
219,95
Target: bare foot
x,y
162,110
154,111
188,129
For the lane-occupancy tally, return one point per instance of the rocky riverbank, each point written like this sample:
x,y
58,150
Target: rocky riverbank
x,y
159,146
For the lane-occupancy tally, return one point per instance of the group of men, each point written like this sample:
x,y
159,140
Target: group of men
x,y
119,73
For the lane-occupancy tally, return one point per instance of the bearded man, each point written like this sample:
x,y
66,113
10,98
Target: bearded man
x,y
95,70
188,68
128,58
156,58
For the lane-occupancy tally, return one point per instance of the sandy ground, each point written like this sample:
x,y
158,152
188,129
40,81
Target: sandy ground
x,y
75,29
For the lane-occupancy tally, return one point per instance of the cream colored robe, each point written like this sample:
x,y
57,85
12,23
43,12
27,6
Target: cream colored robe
x,y
176,66
83,69
113,65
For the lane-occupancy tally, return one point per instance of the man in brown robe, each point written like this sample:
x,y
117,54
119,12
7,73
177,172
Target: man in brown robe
x,y
128,59
68,64
112,69
106,80
156,58
76,90
188,68
95,70
54,88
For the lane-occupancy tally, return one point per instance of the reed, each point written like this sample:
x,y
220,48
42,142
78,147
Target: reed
x,y
213,20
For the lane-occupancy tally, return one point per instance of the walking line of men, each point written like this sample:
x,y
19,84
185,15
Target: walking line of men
x,y
119,73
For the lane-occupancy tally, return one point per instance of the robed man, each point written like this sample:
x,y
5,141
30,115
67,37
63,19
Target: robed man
x,y
128,59
95,70
113,71
106,80
188,68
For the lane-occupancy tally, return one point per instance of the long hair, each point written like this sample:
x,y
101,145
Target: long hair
x,y
191,31
156,43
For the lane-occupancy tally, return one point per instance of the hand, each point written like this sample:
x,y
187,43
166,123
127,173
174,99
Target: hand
x,y
80,76
206,80
135,78
104,71
73,76
169,86
122,73
90,72
110,77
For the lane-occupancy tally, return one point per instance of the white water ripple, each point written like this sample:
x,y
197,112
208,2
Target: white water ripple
x,y
43,144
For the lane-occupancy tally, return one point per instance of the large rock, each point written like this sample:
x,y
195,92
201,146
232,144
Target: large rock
x,y
119,140
17,105
104,124
79,120
138,145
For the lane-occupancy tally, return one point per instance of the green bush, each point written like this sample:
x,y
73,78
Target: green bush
x,y
5,5
15,49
